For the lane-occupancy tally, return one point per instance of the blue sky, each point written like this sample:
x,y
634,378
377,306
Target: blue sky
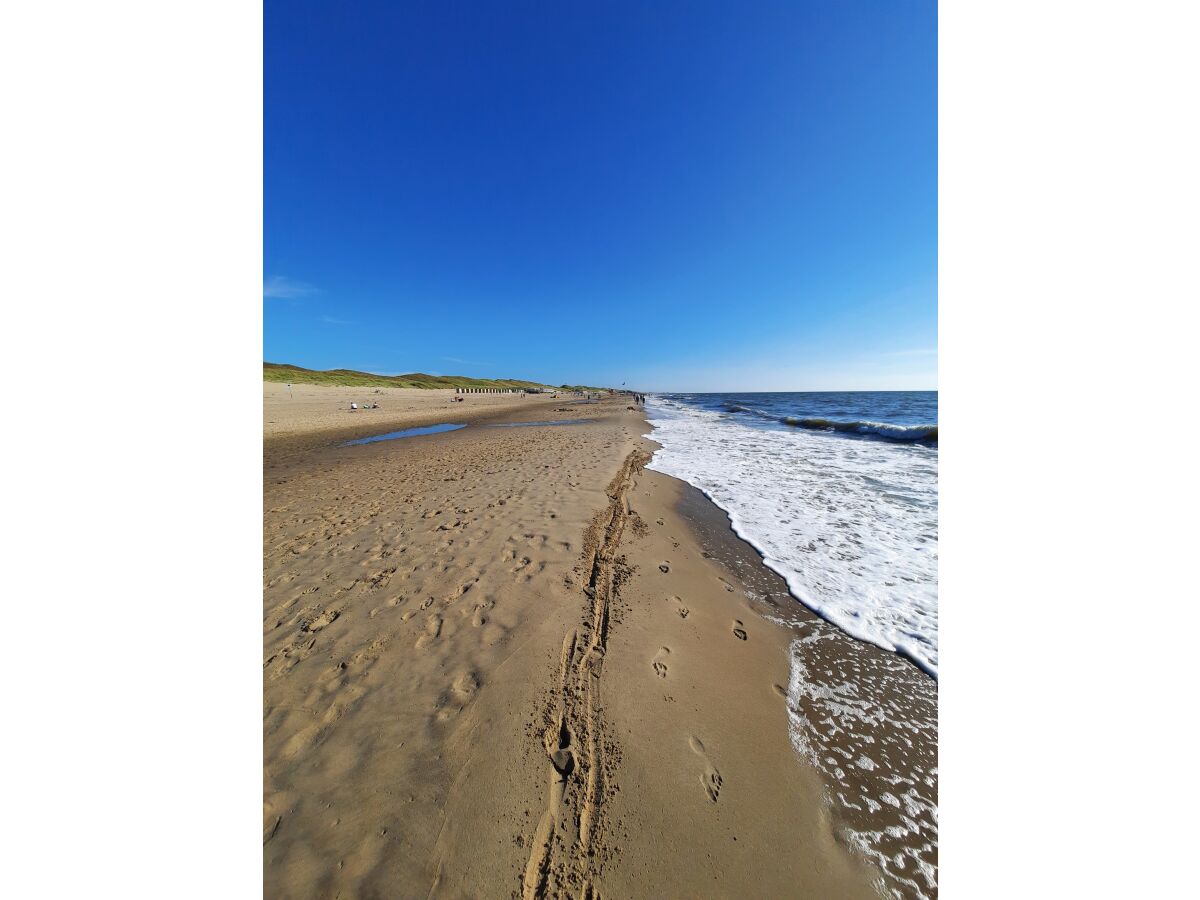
x,y
680,196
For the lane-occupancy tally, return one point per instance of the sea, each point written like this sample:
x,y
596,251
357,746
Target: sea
x,y
836,490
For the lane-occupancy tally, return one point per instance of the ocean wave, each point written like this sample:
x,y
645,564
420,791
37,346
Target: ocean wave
x,y
849,522
749,410
909,433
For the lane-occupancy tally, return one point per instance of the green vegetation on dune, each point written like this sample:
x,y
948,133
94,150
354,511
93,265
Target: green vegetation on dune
x,y
350,378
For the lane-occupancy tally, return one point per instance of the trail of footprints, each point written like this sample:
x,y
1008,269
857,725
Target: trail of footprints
x,y
334,689
710,777
334,556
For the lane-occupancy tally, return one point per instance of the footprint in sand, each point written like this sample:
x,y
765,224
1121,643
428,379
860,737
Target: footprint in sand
x,y
711,778
461,592
428,603
660,667
480,617
664,568
738,631
464,687
433,627
558,742
391,604
321,621
455,700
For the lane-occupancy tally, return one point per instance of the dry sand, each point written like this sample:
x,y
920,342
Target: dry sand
x,y
307,410
505,662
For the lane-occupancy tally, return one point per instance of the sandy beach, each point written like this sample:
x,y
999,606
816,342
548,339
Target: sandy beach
x,y
311,414
509,662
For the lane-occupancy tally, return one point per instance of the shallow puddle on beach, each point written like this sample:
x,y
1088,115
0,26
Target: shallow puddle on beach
x,y
524,424
407,432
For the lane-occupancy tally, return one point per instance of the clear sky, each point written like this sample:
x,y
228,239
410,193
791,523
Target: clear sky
x,y
680,196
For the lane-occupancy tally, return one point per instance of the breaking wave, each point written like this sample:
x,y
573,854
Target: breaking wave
x,y
908,433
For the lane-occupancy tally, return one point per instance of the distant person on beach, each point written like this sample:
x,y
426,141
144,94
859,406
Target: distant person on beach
x,y
353,407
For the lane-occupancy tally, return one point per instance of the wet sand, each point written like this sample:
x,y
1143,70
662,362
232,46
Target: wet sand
x,y
509,662
860,722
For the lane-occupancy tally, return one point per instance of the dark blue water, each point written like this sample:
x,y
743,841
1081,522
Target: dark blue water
x,y
903,416
407,432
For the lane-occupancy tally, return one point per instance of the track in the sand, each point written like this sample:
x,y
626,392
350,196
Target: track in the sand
x,y
565,851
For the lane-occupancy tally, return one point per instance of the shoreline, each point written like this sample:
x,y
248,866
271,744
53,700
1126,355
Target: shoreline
x,y
880,706
828,677
497,716
729,523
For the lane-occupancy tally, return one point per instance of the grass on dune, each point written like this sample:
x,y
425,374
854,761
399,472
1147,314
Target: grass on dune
x,y
281,372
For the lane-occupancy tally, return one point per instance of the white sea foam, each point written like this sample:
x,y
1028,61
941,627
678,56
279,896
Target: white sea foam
x,y
892,797
850,524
